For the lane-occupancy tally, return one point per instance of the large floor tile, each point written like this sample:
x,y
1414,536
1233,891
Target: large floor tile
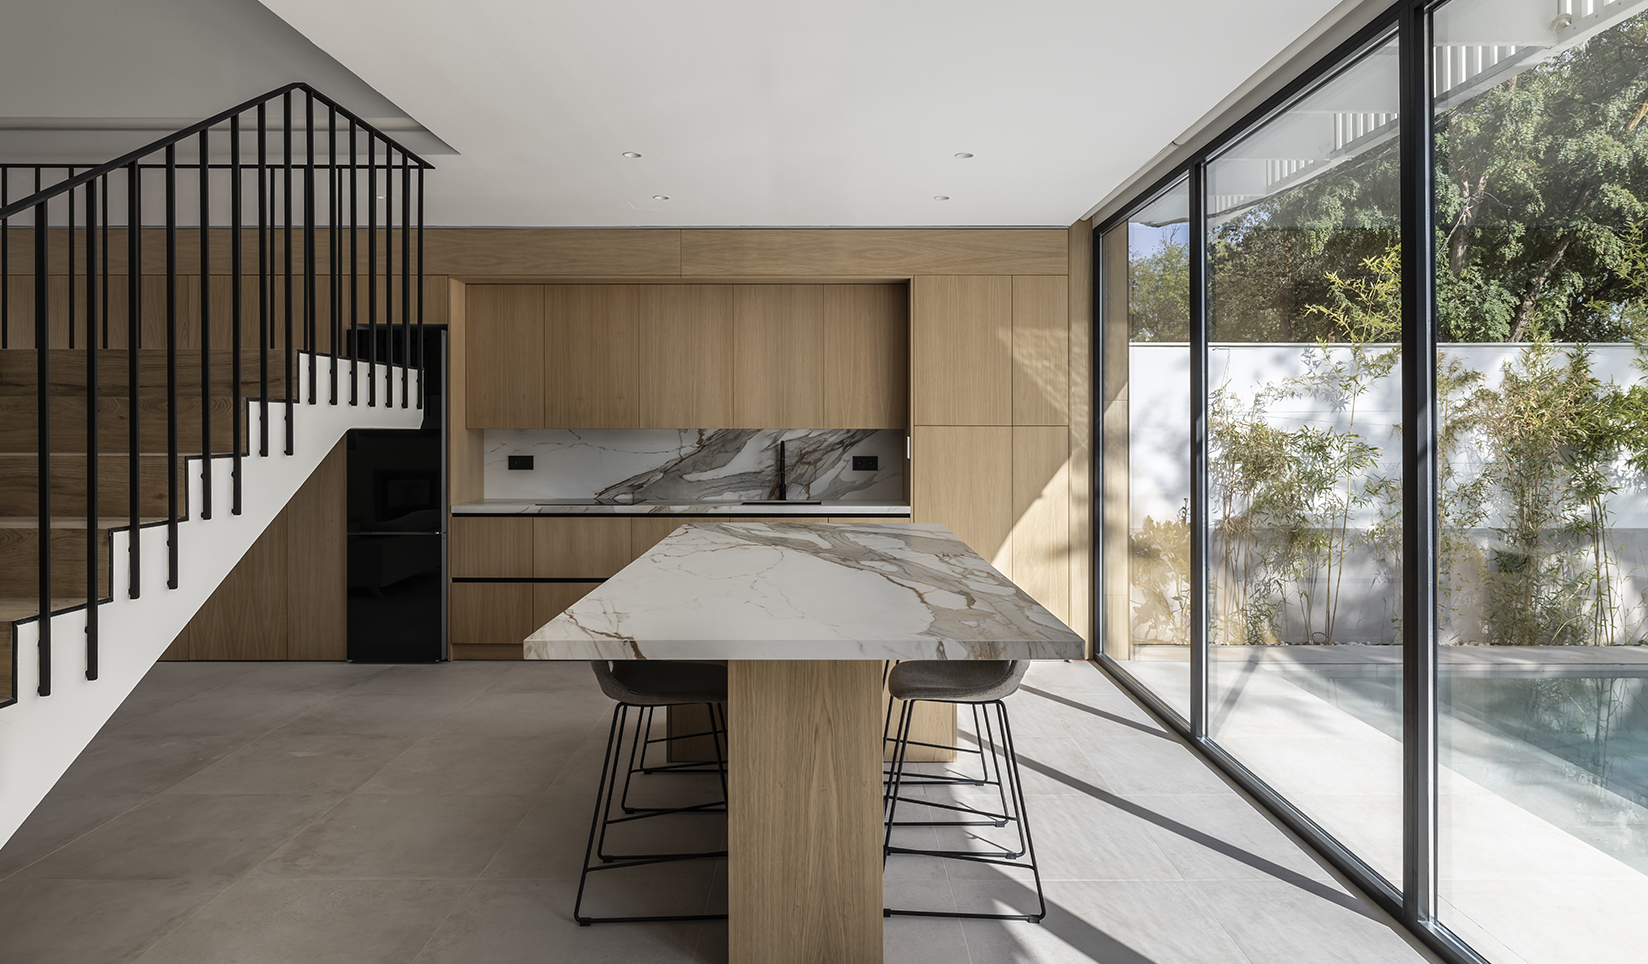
x,y
1284,923
271,921
493,714
1209,836
549,843
128,762
359,714
530,922
1116,922
58,820
93,921
1140,763
463,678
185,835
282,763
401,835
1076,838
475,764
222,712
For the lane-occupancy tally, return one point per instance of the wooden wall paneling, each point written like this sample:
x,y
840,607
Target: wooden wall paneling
x,y
465,445
962,477
505,356
686,356
866,356
961,356
887,253
490,547
1041,350
804,821
934,723
317,563
1041,515
591,356
1081,430
588,548
548,252
489,620
176,652
1115,636
245,618
551,599
648,531
778,356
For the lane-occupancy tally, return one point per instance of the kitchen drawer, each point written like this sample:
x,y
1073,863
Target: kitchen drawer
x,y
574,548
490,547
551,599
488,620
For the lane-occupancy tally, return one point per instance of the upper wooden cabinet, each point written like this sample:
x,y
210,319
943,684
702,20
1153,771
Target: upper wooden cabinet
x,y
778,356
505,356
866,356
591,339
687,356
961,349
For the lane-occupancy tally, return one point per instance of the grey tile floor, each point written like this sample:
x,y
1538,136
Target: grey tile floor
x,y
328,812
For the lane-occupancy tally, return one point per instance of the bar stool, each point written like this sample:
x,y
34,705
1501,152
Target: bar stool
x,y
643,686
982,684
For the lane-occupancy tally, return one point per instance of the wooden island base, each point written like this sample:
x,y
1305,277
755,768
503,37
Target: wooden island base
x,y
804,814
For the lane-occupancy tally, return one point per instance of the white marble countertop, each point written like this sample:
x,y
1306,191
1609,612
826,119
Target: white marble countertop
x,y
807,590
717,507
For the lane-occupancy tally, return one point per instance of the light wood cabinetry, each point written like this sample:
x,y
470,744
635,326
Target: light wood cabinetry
x,y
1041,351
287,596
574,548
490,547
591,344
551,599
488,620
505,356
961,357
1041,514
778,356
866,356
962,477
686,356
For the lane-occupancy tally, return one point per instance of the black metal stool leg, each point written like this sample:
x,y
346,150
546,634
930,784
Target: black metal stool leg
x,y
595,821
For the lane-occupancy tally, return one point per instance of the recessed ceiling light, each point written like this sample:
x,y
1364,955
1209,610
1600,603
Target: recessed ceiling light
x,y
964,155
631,154
941,197
660,197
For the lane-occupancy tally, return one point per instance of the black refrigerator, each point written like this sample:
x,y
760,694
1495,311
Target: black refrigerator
x,y
397,510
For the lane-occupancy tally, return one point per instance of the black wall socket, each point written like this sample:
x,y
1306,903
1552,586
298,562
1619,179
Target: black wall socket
x,y
866,463
520,461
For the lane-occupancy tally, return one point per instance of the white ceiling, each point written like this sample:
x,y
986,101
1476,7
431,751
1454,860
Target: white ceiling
x,y
745,112
764,113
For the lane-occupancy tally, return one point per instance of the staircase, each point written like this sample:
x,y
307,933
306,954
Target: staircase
x,y
185,333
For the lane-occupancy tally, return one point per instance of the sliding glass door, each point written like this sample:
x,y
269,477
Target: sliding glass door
x,y
1339,320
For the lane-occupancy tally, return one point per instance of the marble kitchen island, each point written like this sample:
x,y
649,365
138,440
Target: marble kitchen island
x,y
805,613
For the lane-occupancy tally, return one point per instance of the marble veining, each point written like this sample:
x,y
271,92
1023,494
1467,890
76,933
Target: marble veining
x,y
807,590
692,465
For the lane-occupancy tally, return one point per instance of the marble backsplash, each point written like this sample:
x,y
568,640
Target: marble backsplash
x,y
693,465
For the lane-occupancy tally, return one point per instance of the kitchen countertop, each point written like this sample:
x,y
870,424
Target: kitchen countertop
x,y
573,507
778,590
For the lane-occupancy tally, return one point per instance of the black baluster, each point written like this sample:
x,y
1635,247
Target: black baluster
x,y
134,339
205,331
171,366
235,413
92,567
286,238
42,376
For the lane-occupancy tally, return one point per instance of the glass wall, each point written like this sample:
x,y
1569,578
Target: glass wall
x,y
1146,411
1538,802
1542,268
1304,462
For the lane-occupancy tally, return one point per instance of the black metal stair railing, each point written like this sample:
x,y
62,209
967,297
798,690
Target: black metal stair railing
x,y
305,190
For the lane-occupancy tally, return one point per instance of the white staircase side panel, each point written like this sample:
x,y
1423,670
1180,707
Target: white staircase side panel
x,y
41,736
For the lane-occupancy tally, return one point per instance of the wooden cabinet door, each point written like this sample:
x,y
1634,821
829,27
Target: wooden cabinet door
x,y
866,356
778,356
686,356
570,548
505,347
490,547
591,356
489,620
1041,351
551,599
962,477
961,350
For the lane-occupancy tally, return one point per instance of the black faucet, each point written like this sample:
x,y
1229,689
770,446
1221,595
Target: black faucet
x,y
783,487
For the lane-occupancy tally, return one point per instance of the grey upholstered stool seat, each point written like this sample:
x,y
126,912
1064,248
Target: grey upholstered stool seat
x,y
958,681
983,684
644,686
651,682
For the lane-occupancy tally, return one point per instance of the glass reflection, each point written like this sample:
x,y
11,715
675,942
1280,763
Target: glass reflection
x,y
1304,455
1146,266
